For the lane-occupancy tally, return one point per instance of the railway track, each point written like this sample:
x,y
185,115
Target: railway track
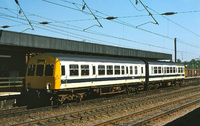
x,y
116,121
9,112
17,111
21,111
74,117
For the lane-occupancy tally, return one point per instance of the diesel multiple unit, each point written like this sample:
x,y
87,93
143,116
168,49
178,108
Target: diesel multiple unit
x,y
67,77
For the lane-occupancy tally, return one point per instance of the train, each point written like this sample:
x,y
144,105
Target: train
x,y
63,77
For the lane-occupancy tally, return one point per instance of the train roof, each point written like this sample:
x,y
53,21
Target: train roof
x,y
164,63
74,57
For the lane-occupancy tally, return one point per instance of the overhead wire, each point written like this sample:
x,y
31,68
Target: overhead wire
x,y
127,24
97,33
175,23
135,6
115,37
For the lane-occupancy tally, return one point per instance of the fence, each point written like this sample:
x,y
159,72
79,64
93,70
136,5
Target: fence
x,y
192,72
8,82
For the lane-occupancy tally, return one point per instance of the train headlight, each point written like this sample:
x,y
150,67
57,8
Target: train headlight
x,y
48,85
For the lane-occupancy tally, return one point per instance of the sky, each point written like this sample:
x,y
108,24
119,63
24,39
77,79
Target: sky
x,y
132,27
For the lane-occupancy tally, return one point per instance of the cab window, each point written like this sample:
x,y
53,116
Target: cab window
x,y
31,70
39,70
49,70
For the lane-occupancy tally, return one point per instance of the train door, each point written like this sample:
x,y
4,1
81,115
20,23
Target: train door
x,y
94,72
127,70
63,73
142,73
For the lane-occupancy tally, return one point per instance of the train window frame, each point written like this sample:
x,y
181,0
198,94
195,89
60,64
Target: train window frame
x,y
123,70
109,69
159,70
179,70
32,71
168,71
171,70
62,70
127,70
75,69
131,70
152,70
117,69
85,71
101,70
93,70
49,73
142,70
136,70
165,70
182,70
155,70
40,72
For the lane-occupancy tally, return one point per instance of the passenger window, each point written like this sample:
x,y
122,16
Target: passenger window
x,y
84,70
182,70
159,70
170,69
167,69
94,70
62,70
142,70
117,70
131,70
152,70
179,70
174,71
126,70
40,69
101,69
155,70
109,70
31,70
49,70
122,68
136,70
74,70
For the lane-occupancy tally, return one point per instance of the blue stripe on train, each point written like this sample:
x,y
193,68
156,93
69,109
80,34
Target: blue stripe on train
x,y
113,78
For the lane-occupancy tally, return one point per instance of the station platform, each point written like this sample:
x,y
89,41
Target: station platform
x,y
8,99
9,93
193,77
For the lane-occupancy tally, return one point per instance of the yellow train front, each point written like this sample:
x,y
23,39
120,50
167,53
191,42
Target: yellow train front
x,y
43,72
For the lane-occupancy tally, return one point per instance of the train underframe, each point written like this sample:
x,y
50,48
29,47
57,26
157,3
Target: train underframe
x,y
37,98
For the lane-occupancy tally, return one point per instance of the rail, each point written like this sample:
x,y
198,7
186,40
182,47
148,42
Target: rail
x,y
7,82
